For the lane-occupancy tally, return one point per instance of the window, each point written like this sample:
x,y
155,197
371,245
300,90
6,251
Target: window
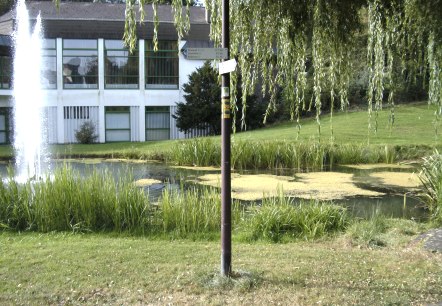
x,y
121,67
49,64
5,125
76,112
162,66
117,123
80,63
157,122
5,68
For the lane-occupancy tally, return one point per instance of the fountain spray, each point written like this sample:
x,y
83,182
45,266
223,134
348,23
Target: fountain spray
x,y
29,144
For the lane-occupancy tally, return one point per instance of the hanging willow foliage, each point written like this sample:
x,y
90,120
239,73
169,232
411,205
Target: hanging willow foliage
x,y
278,43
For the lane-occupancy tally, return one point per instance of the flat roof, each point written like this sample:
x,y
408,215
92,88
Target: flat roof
x,y
104,20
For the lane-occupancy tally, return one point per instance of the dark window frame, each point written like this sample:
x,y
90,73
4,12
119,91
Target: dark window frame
x,y
94,57
129,56
7,112
168,52
6,71
46,53
116,110
161,110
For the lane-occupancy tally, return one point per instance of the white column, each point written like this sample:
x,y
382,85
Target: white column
x,y
101,124
60,113
142,84
101,65
101,110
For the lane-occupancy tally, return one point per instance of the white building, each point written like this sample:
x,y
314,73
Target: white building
x,y
89,75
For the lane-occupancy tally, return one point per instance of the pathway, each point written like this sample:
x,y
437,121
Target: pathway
x,y
432,240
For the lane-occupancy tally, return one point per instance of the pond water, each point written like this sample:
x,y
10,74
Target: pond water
x,y
364,190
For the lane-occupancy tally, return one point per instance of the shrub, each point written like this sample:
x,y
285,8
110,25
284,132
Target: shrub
x,y
86,133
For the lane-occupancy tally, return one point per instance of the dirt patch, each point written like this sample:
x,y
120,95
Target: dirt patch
x,y
313,185
146,182
400,179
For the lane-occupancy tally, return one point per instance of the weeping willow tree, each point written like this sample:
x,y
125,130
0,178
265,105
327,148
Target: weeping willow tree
x,y
275,42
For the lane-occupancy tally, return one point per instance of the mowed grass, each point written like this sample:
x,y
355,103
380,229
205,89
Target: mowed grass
x,y
414,125
105,269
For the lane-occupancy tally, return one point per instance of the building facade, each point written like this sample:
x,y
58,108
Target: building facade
x,y
89,75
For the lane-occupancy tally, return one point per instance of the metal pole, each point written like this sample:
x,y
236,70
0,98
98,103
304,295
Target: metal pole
x,y
226,123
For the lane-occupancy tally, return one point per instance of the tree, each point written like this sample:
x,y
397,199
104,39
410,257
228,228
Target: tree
x,y
275,41
192,2
202,108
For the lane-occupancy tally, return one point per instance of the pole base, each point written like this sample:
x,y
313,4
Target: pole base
x,y
226,265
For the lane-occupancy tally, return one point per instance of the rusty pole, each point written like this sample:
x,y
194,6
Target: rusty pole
x,y
226,123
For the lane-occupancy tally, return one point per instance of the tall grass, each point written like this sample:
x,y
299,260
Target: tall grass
x,y
279,219
431,178
15,211
69,201
281,154
193,211
97,202
369,232
196,152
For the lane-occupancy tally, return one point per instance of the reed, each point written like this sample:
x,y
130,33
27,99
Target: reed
x,y
15,211
431,178
70,201
196,151
275,154
280,218
192,211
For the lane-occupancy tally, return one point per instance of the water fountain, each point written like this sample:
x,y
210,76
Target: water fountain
x,y
28,96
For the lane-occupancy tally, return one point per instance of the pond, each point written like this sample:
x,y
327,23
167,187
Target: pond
x,y
364,189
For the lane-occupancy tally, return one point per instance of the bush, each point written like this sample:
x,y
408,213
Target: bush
x,y
86,134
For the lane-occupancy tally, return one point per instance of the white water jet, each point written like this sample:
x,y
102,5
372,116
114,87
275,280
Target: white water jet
x,y
30,149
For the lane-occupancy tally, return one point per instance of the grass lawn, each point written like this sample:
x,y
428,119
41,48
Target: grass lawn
x,y
413,126
112,269
99,269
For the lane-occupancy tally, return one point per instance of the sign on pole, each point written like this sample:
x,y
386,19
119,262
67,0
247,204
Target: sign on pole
x,y
206,53
227,66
